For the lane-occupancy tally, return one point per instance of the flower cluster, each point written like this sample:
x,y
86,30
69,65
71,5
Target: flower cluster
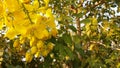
x,y
27,21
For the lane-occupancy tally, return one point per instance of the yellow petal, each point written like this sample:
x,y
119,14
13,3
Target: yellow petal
x,y
45,53
51,23
40,44
40,32
42,10
19,15
12,5
1,8
16,43
1,25
8,21
29,7
36,4
46,2
21,26
67,57
25,1
33,50
46,34
11,33
37,55
28,57
33,41
49,13
22,39
54,32
50,46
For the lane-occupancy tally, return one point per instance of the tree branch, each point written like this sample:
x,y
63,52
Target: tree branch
x,y
78,26
100,2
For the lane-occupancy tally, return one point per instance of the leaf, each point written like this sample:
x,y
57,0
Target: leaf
x,y
67,38
79,15
68,18
76,39
72,28
60,49
80,50
69,52
85,21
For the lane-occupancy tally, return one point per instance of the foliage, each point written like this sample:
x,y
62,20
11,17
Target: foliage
x,y
60,33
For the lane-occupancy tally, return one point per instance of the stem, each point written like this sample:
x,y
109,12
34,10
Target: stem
x,y
39,2
26,12
100,2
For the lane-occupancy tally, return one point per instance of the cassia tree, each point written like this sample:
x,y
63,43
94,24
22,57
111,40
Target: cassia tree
x,y
60,33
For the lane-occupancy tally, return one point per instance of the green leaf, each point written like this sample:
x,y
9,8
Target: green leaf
x,y
72,28
76,39
67,38
80,50
68,18
79,15
85,21
69,52
60,49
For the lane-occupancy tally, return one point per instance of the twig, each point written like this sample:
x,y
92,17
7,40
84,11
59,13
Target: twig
x,y
26,11
78,26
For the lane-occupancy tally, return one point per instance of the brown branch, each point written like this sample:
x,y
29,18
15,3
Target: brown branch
x,y
100,2
78,26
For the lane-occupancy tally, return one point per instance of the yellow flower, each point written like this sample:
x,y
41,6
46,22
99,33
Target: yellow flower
x,y
28,57
16,43
22,39
40,44
50,46
46,34
67,57
51,23
11,5
36,4
46,2
33,41
19,15
28,7
49,13
52,55
25,1
41,34
1,8
37,55
51,20
54,32
1,25
45,53
11,33
33,50
29,31
21,26
8,21
39,19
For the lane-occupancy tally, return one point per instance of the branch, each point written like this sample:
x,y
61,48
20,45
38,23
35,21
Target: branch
x,y
100,43
100,2
78,26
